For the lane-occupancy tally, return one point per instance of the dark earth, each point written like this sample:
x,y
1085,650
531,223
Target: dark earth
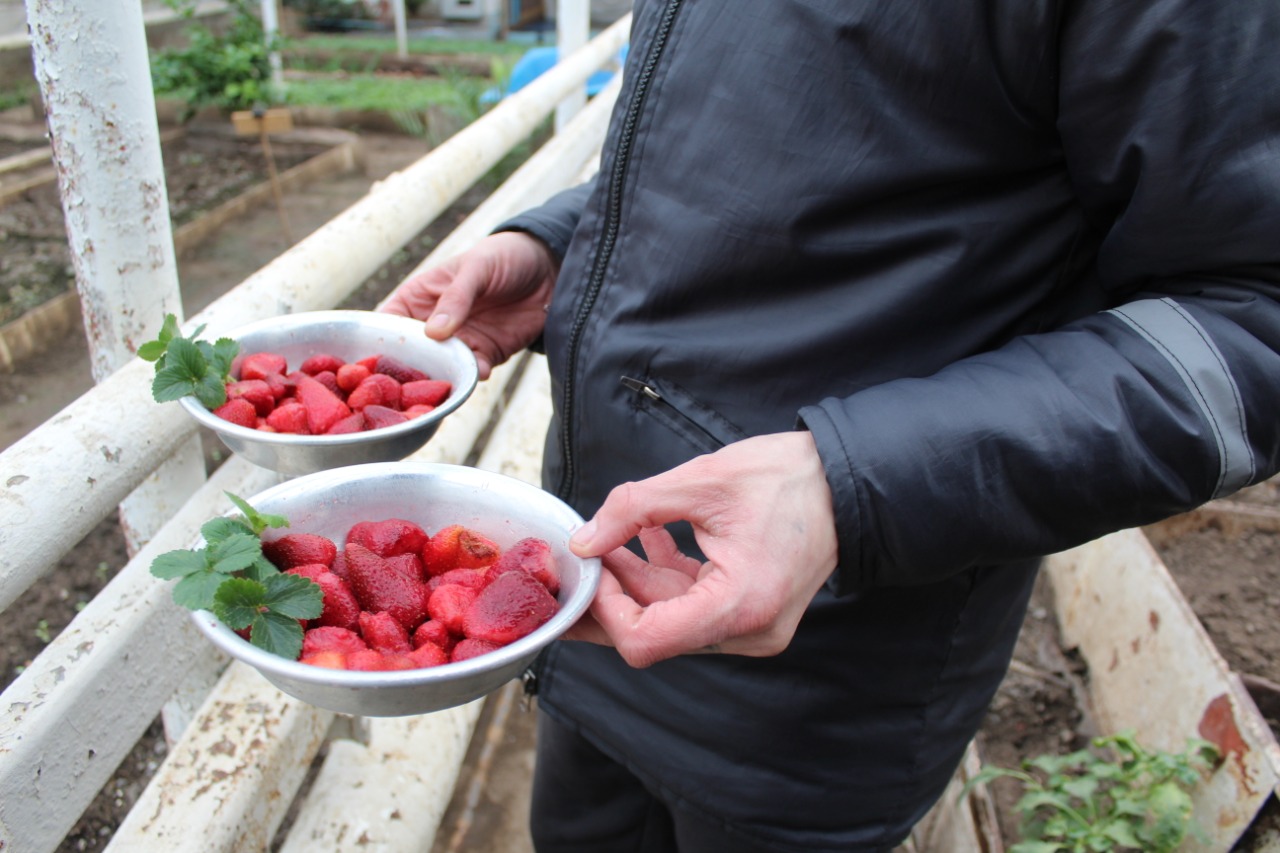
x,y
1231,578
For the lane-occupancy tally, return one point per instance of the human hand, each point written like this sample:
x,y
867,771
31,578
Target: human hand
x,y
493,296
766,557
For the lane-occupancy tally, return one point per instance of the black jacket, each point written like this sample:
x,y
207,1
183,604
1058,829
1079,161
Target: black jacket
x,y
1015,265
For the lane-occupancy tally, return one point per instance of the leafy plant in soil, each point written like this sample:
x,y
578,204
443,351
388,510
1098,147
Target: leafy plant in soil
x,y
1085,801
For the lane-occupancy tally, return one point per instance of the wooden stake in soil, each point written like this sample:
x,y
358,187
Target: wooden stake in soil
x,y
263,123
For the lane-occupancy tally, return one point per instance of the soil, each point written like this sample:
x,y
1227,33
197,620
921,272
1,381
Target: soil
x,y
1231,578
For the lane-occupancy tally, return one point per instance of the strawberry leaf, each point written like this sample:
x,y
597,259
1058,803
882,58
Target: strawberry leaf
x,y
211,391
186,367
238,602
220,529
235,553
153,350
277,634
294,596
178,564
257,521
196,591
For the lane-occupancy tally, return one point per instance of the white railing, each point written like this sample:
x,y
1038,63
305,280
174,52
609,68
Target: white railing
x,y
82,704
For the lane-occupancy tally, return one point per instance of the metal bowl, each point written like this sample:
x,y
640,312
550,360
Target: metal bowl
x,y
432,495
350,335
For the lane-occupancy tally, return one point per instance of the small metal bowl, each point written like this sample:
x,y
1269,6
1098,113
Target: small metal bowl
x,y
349,335
432,495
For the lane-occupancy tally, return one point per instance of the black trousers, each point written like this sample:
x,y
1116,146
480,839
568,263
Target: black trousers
x,y
585,802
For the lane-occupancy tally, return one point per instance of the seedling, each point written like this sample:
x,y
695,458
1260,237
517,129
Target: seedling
x,y
230,577
1084,802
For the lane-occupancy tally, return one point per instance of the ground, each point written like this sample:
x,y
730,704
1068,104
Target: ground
x,y
1231,579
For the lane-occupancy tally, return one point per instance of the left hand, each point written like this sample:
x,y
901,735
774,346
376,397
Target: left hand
x,y
761,513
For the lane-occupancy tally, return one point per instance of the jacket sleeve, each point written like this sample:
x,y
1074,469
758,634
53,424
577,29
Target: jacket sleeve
x,y
555,220
1169,119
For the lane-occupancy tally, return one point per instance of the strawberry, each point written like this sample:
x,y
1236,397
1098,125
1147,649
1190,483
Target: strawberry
x,y
353,422
425,392
321,362
418,411
331,639
457,547
259,365
238,411
472,578
341,609
310,571
470,648
397,369
377,417
370,660
351,375
448,606
299,549
369,363
383,632
533,556
427,656
388,537
324,408
330,381
379,588
328,660
376,390
408,565
510,607
280,387
289,416
339,566
256,391
433,633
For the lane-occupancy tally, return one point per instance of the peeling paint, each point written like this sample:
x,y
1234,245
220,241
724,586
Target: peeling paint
x,y
1218,726
17,480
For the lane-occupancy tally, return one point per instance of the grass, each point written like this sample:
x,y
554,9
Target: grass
x,y
359,44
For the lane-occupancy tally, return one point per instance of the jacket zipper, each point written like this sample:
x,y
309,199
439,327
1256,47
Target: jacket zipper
x,y
644,388
617,178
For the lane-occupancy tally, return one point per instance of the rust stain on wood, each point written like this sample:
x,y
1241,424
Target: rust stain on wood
x,y
1218,726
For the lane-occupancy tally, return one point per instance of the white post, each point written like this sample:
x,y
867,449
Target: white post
x,y
271,29
573,24
402,34
95,81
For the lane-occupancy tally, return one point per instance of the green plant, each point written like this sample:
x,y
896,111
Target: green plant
x,y
1085,801
188,367
229,70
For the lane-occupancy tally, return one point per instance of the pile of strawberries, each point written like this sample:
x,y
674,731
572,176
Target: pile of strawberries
x,y
398,598
326,395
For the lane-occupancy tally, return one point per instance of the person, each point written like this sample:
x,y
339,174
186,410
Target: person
x,y
869,308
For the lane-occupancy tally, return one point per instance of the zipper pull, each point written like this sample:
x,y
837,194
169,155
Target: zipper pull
x,y
529,679
642,387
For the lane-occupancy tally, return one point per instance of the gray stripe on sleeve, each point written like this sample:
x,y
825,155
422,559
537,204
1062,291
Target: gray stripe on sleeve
x,y
1187,346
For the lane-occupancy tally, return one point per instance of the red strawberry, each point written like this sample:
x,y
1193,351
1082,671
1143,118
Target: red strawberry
x,y
321,362
473,578
433,633
418,411
324,408
339,566
470,648
371,660
256,391
377,417
388,537
328,660
408,565
379,588
448,606
353,422
238,411
340,606
289,416
457,547
280,387
351,375
368,363
376,390
425,392
298,549
310,571
510,607
259,365
397,369
331,639
383,632
531,555
330,381
428,656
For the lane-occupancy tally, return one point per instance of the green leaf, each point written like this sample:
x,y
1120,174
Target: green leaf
x,y
235,553
294,596
168,386
197,590
219,529
277,634
211,391
153,350
239,602
178,564
257,521
1036,847
225,351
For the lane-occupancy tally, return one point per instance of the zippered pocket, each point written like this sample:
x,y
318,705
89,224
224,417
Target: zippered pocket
x,y
702,427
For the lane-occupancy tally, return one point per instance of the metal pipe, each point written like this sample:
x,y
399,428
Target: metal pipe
x,y
402,35
573,25
271,29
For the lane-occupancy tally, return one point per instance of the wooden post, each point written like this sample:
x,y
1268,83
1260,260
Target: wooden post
x,y
263,123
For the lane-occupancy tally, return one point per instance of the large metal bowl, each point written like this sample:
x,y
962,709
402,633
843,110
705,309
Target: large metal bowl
x,y
432,495
350,335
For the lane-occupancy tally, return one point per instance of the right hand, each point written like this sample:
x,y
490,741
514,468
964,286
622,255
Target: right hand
x,y
492,297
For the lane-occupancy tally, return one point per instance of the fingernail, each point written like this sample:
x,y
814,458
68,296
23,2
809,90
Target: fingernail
x,y
438,322
583,537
